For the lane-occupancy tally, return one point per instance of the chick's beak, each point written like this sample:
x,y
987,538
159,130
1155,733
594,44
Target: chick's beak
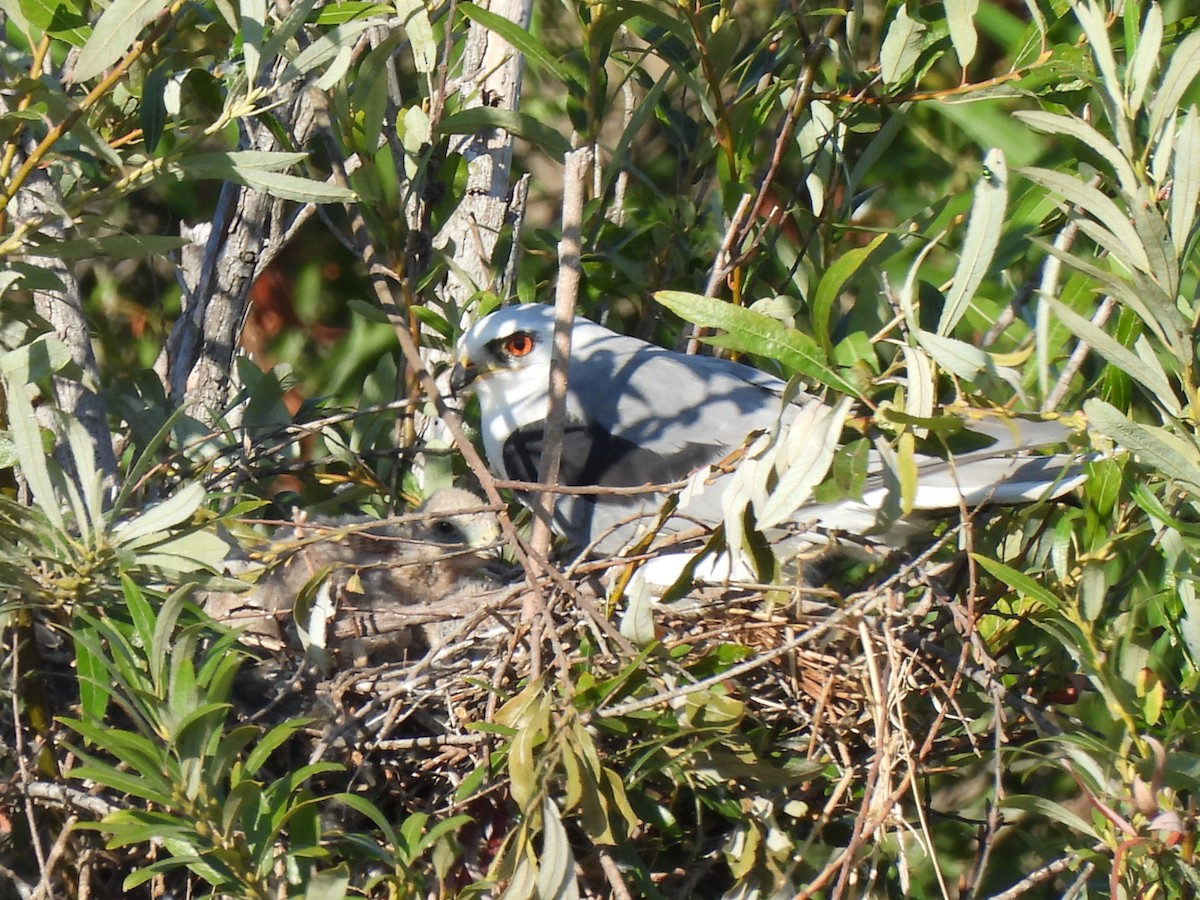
x,y
463,373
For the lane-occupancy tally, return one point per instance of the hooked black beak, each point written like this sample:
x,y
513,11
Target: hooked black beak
x,y
462,375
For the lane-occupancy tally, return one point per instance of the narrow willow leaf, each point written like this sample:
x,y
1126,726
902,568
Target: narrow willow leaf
x,y
1181,72
1163,153
752,332
637,623
293,187
324,49
621,159
522,883
906,297
1145,58
901,47
336,70
1144,370
89,503
983,236
960,16
31,456
829,288
1147,300
919,380
1157,447
1189,624
160,517
1185,165
556,866
1018,581
479,118
33,361
818,429
112,246
415,20
965,360
1052,123
116,30
92,678
1094,23
1124,242
907,471
521,40
282,34
254,17
1048,809
154,106
818,143
1155,236
227,164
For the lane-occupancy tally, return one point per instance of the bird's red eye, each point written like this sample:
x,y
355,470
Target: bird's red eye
x,y
519,344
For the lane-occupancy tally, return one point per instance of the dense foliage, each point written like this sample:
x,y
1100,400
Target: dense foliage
x,y
226,227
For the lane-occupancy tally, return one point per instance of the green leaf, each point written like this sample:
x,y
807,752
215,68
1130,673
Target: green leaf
x,y
829,288
414,19
1054,811
1072,126
960,15
556,865
115,246
271,741
521,39
1145,58
1147,301
175,510
348,10
371,812
296,188
1142,367
1181,72
1118,236
93,681
321,51
1095,25
125,782
523,125
965,360
328,884
31,457
1171,455
253,27
231,165
32,362
154,108
116,30
190,551
258,170
1185,166
901,46
983,236
1018,581
753,332
816,434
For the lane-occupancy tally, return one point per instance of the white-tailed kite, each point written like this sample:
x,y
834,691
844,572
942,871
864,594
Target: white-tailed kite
x,y
638,414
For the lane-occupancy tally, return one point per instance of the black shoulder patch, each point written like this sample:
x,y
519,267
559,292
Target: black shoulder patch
x,y
592,456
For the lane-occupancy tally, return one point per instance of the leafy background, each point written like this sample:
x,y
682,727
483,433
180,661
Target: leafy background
x,y
990,203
